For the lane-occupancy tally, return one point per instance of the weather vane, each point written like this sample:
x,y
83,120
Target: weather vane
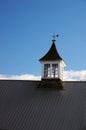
x,y
54,37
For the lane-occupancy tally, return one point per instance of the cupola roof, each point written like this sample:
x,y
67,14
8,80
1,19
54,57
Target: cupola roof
x,y
52,54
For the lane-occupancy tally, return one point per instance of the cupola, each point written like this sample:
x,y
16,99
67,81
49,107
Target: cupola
x,y
52,64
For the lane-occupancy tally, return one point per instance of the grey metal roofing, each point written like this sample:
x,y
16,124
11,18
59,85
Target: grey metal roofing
x,y
23,106
52,54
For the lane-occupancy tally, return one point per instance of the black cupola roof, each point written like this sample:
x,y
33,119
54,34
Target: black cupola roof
x,y
52,54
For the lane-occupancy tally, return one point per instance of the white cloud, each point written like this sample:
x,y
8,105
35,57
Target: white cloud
x,y
70,75
20,77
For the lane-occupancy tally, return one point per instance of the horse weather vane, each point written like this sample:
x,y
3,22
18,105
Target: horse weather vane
x,y
54,37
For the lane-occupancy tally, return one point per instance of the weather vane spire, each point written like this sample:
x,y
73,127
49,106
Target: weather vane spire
x,y
54,37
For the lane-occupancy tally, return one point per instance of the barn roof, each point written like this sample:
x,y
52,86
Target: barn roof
x,y
23,106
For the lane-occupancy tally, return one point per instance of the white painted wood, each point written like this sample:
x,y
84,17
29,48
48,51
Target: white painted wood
x,y
49,70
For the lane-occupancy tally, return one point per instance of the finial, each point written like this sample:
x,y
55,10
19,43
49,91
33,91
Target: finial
x,y
54,37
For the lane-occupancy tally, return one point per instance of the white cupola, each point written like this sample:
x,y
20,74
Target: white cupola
x,y
52,63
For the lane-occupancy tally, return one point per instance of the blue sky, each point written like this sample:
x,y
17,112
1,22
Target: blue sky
x,y
26,29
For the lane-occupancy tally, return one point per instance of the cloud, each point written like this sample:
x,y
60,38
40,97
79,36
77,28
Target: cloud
x,y
70,75
20,77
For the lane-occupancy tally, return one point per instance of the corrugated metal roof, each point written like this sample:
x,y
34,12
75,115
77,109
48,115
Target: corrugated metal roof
x,y
23,106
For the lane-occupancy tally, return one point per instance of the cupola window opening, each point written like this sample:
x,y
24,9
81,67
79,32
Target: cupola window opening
x,y
54,70
46,70
50,70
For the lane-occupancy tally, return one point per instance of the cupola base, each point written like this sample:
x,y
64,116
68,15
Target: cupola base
x,y
53,83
